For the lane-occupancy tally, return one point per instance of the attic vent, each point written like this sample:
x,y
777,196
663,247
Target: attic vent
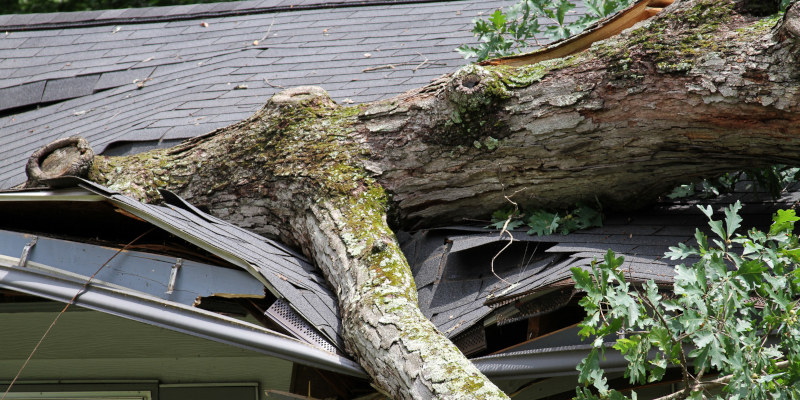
x,y
281,313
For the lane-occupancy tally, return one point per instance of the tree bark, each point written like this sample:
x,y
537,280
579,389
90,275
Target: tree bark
x,y
701,89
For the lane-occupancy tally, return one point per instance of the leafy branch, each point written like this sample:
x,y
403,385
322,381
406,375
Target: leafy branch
x,y
732,313
528,21
542,222
773,179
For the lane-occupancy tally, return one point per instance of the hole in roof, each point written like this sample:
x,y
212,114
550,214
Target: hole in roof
x,y
23,109
97,223
124,148
476,262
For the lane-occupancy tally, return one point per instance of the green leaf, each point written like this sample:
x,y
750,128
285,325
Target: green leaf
x,y
750,271
658,369
588,217
613,326
651,292
686,281
696,395
661,337
589,325
703,337
623,306
783,222
498,19
567,224
583,279
563,7
542,223
681,252
702,241
590,372
716,227
691,320
743,325
732,218
682,191
612,261
500,217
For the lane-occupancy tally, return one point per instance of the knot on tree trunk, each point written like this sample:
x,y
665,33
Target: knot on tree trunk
x,y
70,156
470,106
472,85
307,96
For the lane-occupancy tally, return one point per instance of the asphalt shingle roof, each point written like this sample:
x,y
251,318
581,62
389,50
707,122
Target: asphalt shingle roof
x,y
170,73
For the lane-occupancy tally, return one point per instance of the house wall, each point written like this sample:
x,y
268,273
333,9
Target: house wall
x,y
89,346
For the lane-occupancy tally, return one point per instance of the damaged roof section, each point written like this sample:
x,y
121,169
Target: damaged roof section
x,y
194,249
463,274
491,295
151,310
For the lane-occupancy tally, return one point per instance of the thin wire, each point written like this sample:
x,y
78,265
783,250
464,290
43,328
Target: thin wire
x,y
82,290
510,237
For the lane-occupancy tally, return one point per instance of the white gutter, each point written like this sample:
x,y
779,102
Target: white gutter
x,y
70,194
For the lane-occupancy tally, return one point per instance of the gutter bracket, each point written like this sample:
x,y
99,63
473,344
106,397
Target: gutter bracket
x,y
26,251
173,275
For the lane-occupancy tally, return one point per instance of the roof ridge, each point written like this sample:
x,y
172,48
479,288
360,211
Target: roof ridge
x,y
83,19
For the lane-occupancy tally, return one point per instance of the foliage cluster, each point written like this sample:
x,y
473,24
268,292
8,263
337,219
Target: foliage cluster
x,y
774,179
543,222
733,314
517,29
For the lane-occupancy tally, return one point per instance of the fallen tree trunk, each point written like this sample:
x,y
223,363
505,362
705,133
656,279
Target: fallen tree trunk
x,y
702,88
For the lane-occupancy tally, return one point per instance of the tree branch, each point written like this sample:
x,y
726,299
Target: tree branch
x,y
716,383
